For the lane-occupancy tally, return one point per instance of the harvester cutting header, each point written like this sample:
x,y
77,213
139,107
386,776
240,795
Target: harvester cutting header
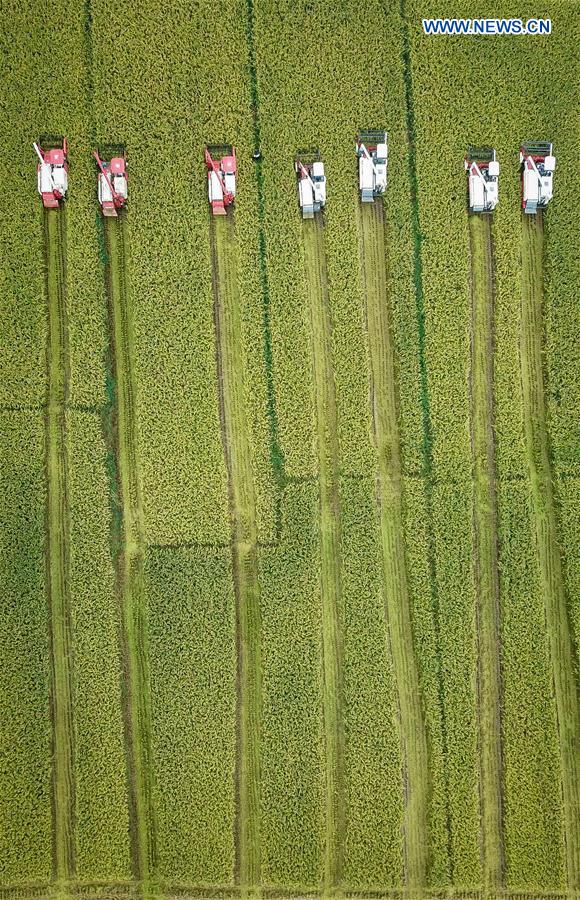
x,y
221,163
52,170
311,182
483,178
112,182
538,166
372,152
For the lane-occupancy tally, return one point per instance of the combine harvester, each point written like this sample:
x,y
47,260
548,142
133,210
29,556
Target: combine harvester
x,y
372,152
483,179
537,165
311,182
52,171
112,182
221,163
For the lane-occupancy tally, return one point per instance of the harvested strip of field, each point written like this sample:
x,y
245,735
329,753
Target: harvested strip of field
x,y
396,590
531,334
129,561
237,451
485,551
57,549
330,544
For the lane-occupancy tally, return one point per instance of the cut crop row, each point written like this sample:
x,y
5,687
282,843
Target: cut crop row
x,y
128,549
485,550
102,812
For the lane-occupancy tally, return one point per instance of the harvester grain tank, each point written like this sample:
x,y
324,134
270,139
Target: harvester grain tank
x,y
538,166
52,171
372,152
311,182
483,179
221,163
112,181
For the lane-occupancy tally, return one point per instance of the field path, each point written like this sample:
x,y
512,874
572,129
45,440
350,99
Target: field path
x,y
129,561
57,569
330,548
537,446
386,431
237,448
486,550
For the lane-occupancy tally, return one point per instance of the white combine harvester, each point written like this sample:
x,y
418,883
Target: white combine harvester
x,y
112,181
221,163
372,152
52,171
538,166
483,178
311,182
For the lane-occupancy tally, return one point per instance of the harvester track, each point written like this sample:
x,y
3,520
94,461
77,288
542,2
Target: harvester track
x,y
390,499
330,547
129,561
57,551
549,558
238,455
485,551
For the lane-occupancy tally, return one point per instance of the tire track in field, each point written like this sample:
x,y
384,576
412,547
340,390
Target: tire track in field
x,y
57,551
485,551
413,733
128,528
238,454
564,665
330,547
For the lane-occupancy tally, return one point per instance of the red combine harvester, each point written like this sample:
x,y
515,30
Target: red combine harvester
x,y
112,182
221,163
52,171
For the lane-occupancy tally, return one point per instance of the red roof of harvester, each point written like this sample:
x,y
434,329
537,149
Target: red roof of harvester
x,y
55,157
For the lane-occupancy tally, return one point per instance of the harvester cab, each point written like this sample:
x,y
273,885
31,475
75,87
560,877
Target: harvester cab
x,y
221,163
112,180
52,170
538,166
483,178
372,152
311,182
